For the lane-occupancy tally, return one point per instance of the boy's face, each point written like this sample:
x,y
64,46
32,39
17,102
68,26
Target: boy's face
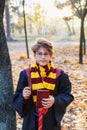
x,y
42,56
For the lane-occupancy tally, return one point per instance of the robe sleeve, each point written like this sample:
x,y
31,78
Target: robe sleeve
x,y
63,96
19,103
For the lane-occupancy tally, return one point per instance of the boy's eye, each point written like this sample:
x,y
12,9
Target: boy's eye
x,y
41,54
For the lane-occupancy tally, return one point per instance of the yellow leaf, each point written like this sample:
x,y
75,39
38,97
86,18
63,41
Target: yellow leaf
x,y
22,57
82,105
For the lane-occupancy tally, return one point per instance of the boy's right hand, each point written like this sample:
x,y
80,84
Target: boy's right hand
x,y
26,92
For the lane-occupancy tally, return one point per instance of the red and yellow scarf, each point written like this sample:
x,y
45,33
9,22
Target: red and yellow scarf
x,y
42,78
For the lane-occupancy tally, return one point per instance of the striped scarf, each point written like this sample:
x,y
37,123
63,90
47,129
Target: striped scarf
x,y
42,78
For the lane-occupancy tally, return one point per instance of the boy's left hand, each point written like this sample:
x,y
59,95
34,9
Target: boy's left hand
x,y
48,102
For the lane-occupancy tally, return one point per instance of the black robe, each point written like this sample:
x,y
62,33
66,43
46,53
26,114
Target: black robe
x,y
53,117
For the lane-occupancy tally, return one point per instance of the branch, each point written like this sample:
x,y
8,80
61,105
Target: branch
x,y
75,7
61,5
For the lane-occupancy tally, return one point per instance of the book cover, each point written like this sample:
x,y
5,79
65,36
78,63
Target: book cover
x,y
40,95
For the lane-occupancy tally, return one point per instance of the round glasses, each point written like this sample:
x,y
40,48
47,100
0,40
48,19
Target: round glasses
x,y
40,54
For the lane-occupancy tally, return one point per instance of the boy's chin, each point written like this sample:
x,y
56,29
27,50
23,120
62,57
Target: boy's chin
x,y
43,64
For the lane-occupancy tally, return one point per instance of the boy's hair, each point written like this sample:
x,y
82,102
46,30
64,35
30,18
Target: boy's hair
x,y
43,43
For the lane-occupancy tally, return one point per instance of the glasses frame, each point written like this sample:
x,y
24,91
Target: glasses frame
x,y
40,54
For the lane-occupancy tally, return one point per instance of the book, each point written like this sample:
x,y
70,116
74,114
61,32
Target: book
x,y
40,95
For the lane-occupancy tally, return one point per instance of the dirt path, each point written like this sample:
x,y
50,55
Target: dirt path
x,y
19,48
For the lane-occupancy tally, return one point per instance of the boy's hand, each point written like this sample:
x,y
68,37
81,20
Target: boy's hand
x,y
48,102
26,92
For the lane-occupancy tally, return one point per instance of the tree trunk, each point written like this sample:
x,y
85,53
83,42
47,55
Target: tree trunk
x,y
8,25
68,27
25,28
84,47
84,41
81,41
73,30
7,114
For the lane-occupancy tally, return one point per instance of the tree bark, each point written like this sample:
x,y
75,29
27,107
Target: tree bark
x,y
7,114
25,29
84,41
8,25
81,41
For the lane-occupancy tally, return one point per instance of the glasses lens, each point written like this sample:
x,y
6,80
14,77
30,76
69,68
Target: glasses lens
x,y
42,54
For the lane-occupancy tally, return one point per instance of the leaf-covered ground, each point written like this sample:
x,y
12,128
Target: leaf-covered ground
x,y
66,58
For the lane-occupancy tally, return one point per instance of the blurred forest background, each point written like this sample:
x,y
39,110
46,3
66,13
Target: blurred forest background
x,y
67,22
64,22
65,25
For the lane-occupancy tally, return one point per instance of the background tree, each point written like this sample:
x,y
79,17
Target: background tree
x,y
8,24
15,8
67,17
7,114
39,17
79,8
25,28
